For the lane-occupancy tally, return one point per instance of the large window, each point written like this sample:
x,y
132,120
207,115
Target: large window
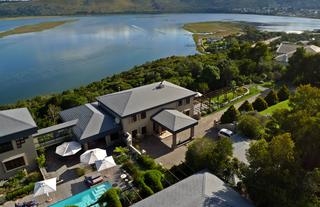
x,y
144,130
15,163
180,103
5,147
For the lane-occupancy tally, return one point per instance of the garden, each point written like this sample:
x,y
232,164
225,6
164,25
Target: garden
x,y
19,186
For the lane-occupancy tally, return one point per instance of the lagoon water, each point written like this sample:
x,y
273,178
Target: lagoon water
x,y
94,47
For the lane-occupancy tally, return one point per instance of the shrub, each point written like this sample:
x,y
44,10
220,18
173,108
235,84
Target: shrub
x,y
111,197
80,171
272,98
230,115
260,104
246,106
250,126
34,177
41,160
283,93
147,162
153,179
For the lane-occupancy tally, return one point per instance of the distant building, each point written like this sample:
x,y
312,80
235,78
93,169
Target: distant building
x,y
286,50
201,189
17,150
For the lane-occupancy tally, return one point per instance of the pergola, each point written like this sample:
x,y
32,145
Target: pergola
x,y
175,122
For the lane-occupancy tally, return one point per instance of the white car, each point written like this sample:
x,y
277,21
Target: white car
x,y
225,133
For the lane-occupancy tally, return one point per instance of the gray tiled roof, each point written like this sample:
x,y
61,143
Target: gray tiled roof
x,y
16,121
92,121
174,120
138,99
202,189
285,48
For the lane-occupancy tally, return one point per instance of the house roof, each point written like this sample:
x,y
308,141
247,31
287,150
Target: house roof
x,y
312,49
92,122
16,123
202,189
285,48
142,98
173,120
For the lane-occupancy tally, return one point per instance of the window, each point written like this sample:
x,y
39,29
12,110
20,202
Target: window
x,y
144,130
20,141
134,118
180,103
187,112
5,147
187,100
143,115
15,163
134,133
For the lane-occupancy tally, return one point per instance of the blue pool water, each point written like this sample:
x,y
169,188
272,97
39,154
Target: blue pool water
x,y
85,198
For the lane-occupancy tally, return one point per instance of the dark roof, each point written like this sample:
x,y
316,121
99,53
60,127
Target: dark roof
x,y
173,120
92,121
56,127
142,98
16,123
202,189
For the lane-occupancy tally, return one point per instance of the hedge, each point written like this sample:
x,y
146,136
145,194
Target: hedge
x,y
246,106
283,93
230,115
25,190
145,190
272,98
147,162
153,179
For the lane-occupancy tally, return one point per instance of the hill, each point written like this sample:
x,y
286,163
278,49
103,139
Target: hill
x,y
77,7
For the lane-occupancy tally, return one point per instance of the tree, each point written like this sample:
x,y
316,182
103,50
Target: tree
x,y
283,93
153,179
211,76
216,156
260,104
250,126
246,106
230,115
72,100
272,98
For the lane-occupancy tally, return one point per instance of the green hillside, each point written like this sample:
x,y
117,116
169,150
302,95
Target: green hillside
x,y
73,7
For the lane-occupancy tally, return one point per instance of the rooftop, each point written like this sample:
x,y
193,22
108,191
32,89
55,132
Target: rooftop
x,y
173,120
285,48
91,122
202,189
128,102
16,123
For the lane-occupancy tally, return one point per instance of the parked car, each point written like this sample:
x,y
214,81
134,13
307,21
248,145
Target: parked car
x,y
225,133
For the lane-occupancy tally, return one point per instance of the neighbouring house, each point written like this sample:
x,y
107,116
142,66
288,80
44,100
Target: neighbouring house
x,y
17,150
201,189
286,50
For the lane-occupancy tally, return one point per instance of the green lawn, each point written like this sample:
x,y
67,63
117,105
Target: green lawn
x,y
281,105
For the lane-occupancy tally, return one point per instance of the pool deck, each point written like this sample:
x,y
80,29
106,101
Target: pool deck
x,y
70,188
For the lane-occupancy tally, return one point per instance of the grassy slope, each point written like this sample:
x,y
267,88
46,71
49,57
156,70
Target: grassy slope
x,y
33,28
271,109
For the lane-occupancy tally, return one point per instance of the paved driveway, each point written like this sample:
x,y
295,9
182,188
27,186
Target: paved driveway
x,y
204,128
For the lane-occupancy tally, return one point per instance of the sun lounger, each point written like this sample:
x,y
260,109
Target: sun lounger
x,y
90,181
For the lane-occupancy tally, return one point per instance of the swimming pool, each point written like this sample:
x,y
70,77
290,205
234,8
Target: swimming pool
x,y
86,197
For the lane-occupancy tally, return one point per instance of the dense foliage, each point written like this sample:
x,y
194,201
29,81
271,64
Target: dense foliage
x,y
285,170
271,98
111,197
250,126
246,107
283,93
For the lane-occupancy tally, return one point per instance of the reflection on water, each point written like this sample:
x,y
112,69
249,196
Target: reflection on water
x,y
91,48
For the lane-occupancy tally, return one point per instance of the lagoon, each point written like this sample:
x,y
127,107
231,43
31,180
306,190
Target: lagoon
x,y
94,47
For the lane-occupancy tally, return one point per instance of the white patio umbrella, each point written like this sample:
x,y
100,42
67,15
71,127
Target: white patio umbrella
x,y
106,163
90,156
45,187
68,148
